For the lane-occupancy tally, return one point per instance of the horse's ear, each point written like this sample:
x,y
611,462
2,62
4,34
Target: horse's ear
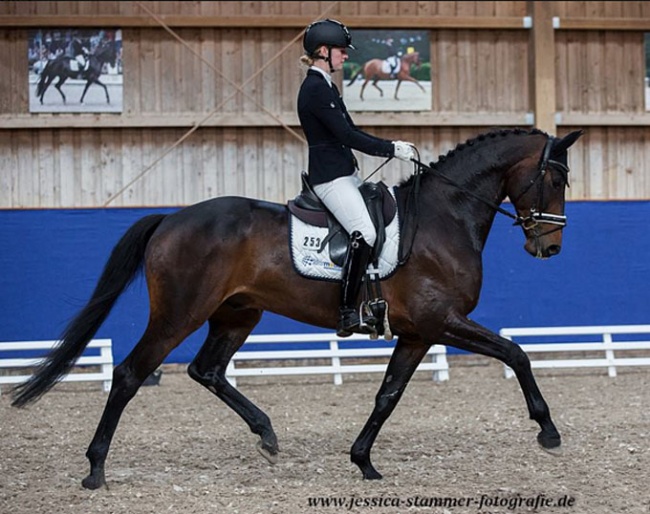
x,y
562,145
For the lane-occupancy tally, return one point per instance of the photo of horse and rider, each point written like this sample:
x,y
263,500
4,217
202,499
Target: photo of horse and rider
x,y
75,70
389,70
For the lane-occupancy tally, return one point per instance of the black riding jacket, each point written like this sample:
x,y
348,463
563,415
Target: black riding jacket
x,y
331,133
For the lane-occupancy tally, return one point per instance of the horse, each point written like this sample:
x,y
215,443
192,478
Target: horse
x,y
226,260
60,67
373,70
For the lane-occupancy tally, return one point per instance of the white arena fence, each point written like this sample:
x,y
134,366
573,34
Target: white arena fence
x,y
336,360
98,353
600,341
316,354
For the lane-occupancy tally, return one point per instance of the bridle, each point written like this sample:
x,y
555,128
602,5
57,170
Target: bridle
x,y
537,216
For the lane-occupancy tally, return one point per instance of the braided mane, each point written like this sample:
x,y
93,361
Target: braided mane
x,y
497,133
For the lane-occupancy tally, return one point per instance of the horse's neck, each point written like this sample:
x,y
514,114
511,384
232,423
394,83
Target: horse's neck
x,y
468,199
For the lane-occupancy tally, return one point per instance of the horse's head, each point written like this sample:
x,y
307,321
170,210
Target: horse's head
x,y
412,58
536,186
106,53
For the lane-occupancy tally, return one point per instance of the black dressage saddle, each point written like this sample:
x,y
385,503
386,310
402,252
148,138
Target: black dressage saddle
x,y
381,207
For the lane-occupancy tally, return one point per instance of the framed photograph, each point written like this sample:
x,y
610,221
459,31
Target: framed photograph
x,y
75,70
647,71
388,71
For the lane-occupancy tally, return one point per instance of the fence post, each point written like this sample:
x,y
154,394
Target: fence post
x,y
609,355
440,375
336,363
229,369
107,368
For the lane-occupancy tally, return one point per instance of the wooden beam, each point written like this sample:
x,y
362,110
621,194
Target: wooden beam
x,y
370,119
375,119
541,65
297,22
603,24
623,119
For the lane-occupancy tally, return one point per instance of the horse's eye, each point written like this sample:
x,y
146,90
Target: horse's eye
x,y
557,179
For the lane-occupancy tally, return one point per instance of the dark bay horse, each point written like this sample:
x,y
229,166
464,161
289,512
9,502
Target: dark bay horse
x,y
60,68
373,71
226,260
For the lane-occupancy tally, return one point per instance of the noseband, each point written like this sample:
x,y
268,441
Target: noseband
x,y
537,215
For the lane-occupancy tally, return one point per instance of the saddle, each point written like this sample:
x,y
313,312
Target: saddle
x,y
380,203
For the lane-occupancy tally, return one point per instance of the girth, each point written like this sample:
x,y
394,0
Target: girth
x,y
379,202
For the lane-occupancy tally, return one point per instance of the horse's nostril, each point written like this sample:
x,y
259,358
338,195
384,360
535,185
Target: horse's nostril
x,y
554,249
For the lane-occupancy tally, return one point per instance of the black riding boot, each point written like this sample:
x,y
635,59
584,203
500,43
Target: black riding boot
x,y
354,269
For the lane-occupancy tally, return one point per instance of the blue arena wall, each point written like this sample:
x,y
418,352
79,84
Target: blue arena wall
x,y
51,260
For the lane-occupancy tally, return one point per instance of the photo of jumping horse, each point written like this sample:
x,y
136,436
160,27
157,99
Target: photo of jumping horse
x,y
226,260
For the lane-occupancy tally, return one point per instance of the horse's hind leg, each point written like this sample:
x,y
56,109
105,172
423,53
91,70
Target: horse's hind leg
x,y
47,83
147,355
381,91
363,87
58,87
467,335
403,363
229,329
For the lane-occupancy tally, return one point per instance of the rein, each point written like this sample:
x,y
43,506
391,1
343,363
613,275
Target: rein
x,y
518,219
536,217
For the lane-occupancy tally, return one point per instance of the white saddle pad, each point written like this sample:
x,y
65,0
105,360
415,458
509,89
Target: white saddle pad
x,y
306,241
387,65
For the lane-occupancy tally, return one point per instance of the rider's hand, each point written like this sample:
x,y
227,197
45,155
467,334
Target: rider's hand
x,y
404,151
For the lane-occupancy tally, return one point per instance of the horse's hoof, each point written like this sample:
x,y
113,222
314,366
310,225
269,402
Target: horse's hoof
x,y
264,452
556,452
372,474
551,444
367,469
92,482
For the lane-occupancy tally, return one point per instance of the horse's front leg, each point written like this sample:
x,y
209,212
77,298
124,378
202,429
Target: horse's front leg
x,y
467,335
405,359
399,83
83,95
411,79
108,100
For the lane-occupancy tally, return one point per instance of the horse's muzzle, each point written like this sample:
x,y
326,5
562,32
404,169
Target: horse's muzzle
x,y
545,246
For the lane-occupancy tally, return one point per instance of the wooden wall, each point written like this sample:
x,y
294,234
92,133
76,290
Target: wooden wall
x,y
486,72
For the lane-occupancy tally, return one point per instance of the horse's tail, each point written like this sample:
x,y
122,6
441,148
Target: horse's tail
x,y
354,77
122,267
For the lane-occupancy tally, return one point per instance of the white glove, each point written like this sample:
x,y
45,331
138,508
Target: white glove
x,y
404,151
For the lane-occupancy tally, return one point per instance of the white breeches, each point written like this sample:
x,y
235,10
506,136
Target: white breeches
x,y
342,197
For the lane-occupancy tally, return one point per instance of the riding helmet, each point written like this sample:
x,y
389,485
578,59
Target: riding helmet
x,y
326,32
